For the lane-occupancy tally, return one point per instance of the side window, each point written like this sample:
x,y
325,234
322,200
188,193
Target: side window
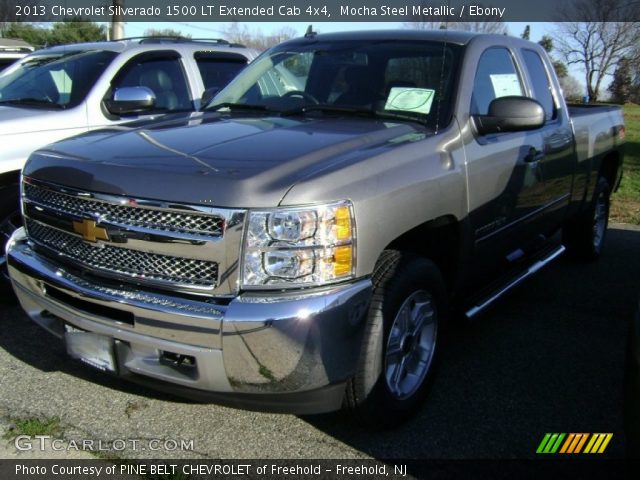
x,y
496,77
218,69
540,82
163,75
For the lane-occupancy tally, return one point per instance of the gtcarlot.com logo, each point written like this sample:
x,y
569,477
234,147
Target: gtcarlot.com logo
x,y
572,443
47,442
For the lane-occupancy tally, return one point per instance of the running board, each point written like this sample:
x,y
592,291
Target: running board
x,y
480,306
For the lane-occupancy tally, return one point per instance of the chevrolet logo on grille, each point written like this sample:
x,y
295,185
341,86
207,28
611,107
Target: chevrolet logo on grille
x,y
89,231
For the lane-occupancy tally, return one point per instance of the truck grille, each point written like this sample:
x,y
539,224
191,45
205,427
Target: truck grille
x,y
123,261
190,249
162,220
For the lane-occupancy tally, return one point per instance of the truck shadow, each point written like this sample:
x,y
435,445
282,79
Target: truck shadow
x,y
29,343
549,357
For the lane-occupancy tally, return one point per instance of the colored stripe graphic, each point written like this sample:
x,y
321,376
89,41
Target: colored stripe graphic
x,y
553,443
550,443
598,442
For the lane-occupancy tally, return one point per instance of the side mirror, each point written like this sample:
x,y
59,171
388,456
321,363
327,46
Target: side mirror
x,y
510,114
208,95
131,100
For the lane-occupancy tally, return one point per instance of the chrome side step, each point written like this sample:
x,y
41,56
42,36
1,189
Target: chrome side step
x,y
480,306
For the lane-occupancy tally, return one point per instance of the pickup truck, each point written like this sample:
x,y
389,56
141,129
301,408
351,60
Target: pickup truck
x,y
62,91
303,243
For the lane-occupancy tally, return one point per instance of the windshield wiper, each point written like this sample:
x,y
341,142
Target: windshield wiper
x,y
358,111
35,102
325,108
237,106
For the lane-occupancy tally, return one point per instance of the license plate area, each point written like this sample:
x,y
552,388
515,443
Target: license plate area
x,y
91,348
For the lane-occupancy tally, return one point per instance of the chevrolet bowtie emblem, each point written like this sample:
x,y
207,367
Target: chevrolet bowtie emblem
x,y
89,231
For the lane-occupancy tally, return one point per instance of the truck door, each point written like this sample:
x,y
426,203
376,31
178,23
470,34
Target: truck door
x,y
555,163
503,173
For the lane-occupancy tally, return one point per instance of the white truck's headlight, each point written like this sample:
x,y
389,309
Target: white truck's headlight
x,y
299,246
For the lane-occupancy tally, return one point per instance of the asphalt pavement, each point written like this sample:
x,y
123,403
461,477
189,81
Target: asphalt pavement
x,y
549,357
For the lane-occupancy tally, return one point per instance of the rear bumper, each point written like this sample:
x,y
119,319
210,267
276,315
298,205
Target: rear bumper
x,y
277,352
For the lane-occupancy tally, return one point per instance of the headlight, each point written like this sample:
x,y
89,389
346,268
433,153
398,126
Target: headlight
x,y
299,247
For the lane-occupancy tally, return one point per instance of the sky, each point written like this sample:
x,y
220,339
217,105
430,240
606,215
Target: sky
x,y
216,30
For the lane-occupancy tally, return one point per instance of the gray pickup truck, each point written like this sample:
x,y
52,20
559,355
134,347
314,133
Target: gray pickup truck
x,y
300,244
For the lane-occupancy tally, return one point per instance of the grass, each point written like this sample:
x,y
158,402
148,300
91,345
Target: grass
x,y
625,204
34,426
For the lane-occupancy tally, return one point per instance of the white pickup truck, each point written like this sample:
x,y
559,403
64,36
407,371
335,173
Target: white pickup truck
x,y
12,50
62,91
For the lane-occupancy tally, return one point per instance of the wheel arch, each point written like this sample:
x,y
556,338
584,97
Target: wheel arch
x,y
439,240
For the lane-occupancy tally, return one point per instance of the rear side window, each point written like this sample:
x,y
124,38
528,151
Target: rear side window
x,y
540,82
218,69
496,77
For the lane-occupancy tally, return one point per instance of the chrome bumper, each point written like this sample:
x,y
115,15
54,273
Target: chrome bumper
x,y
264,351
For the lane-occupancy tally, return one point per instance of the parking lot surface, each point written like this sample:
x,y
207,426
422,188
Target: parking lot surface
x,y
549,357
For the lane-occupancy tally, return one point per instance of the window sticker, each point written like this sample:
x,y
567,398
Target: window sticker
x,y
410,99
505,84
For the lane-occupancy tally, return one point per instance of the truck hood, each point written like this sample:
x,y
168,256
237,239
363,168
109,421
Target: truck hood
x,y
15,120
225,161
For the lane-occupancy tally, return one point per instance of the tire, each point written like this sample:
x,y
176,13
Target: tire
x,y
10,220
398,356
584,237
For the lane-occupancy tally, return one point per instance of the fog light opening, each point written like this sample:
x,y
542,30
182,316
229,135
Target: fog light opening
x,y
177,359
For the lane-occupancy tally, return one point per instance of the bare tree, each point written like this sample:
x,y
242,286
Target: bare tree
x,y
600,42
481,27
571,88
241,33
433,22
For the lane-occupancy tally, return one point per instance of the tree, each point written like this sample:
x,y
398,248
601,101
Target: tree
x,y
622,85
68,31
239,33
36,36
571,88
466,23
560,68
527,33
76,30
480,27
546,42
165,32
598,43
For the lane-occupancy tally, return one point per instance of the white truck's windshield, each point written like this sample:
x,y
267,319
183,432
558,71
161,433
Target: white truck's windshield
x,y
53,80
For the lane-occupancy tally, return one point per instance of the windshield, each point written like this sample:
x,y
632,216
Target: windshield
x,y
57,80
408,79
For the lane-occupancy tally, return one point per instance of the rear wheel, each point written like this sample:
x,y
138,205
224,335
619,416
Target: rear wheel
x,y
402,336
584,237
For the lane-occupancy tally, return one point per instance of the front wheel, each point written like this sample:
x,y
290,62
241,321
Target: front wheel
x,y
402,336
584,237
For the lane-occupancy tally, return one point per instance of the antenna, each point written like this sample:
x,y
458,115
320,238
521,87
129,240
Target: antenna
x,y
310,33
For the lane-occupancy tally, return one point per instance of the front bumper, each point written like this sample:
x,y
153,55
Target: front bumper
x,y
279,351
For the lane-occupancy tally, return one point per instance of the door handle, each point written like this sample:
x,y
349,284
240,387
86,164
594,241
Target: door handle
x,y
534,156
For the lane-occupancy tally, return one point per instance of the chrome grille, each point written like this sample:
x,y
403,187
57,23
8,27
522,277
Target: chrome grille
x,y
121,261
154,219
